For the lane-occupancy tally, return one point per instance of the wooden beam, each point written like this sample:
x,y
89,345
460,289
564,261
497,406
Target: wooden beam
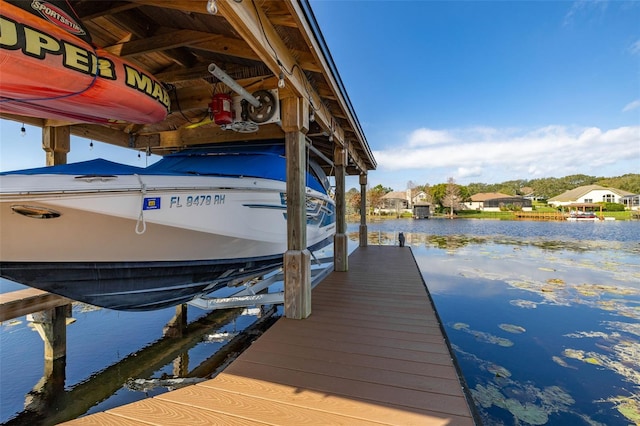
x,y
114,136
340,240
363,232
22,302
297,259
96,9
161,42
212,133
52,328
255,28
56,141
295,115
194,6
356,158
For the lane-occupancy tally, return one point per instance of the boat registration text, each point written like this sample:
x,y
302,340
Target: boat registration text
x,y
178,201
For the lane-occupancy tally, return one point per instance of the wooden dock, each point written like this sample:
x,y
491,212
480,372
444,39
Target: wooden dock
x,y
541,215
372,352
27,301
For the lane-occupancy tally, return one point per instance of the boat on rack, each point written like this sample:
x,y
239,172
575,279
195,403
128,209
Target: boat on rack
x,y
576,215
586,212
132,238
51,69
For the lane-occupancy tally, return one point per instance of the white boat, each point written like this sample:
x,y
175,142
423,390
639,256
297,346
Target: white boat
x,y
582,216
131,238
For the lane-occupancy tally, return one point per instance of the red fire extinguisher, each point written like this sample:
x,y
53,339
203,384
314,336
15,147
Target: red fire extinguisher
x,y
221,109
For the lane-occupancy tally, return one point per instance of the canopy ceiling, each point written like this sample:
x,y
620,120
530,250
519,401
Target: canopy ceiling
x,y
256,42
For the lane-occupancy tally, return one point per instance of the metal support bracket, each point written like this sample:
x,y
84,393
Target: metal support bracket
x,y
253,292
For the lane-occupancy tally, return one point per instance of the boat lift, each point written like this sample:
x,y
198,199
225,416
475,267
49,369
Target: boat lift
x,y
254,292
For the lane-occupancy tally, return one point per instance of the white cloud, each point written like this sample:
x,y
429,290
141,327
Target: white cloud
x,y
542,152
466,172
635,48
579,7
632,105
425,137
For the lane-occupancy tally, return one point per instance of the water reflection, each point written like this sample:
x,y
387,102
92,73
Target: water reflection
x,y
50,402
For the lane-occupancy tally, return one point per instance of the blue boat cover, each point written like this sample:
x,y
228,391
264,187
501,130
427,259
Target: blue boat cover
x,y
259,161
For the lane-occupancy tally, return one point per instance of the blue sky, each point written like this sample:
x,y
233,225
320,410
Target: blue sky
x,y
480,91
490,91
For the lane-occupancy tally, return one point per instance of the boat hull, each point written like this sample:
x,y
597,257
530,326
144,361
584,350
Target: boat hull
x,y
136,286
133,246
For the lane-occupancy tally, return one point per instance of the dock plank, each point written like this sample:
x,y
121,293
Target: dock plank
x,y
372,352
253,408
428,369
381,413
163,411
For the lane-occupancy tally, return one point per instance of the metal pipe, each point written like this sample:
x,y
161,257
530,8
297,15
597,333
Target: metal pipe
x,y
224,77
318,153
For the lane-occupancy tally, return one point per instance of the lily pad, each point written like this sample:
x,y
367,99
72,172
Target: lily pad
x,y
511,328
526,304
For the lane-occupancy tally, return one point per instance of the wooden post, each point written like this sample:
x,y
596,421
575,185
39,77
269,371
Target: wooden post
x,y
363,210
178,324
49,388
52,327
56,141
340,250
297,259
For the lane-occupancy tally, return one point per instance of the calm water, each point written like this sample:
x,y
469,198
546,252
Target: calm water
x,y
544,317
106,351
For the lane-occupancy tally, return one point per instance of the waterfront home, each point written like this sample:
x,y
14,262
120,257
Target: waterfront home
x,y
588,194
401,201
496,201
631,202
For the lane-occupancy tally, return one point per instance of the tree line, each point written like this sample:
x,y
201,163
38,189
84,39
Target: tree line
x,y
445,194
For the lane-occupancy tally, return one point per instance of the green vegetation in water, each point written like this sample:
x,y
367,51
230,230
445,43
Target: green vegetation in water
x,y
620,355
526,304
482,336
510,328
628,406
528,404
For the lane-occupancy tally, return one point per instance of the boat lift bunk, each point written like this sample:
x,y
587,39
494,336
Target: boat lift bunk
x,y
251,292
255,292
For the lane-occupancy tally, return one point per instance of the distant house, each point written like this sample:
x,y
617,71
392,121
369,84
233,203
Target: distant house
x,y
421,210
496,201
399,201
477,200
395,200
420,198
631,202
528,192
589,194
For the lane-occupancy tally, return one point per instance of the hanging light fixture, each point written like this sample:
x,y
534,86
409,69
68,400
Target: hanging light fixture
x,y
23,131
